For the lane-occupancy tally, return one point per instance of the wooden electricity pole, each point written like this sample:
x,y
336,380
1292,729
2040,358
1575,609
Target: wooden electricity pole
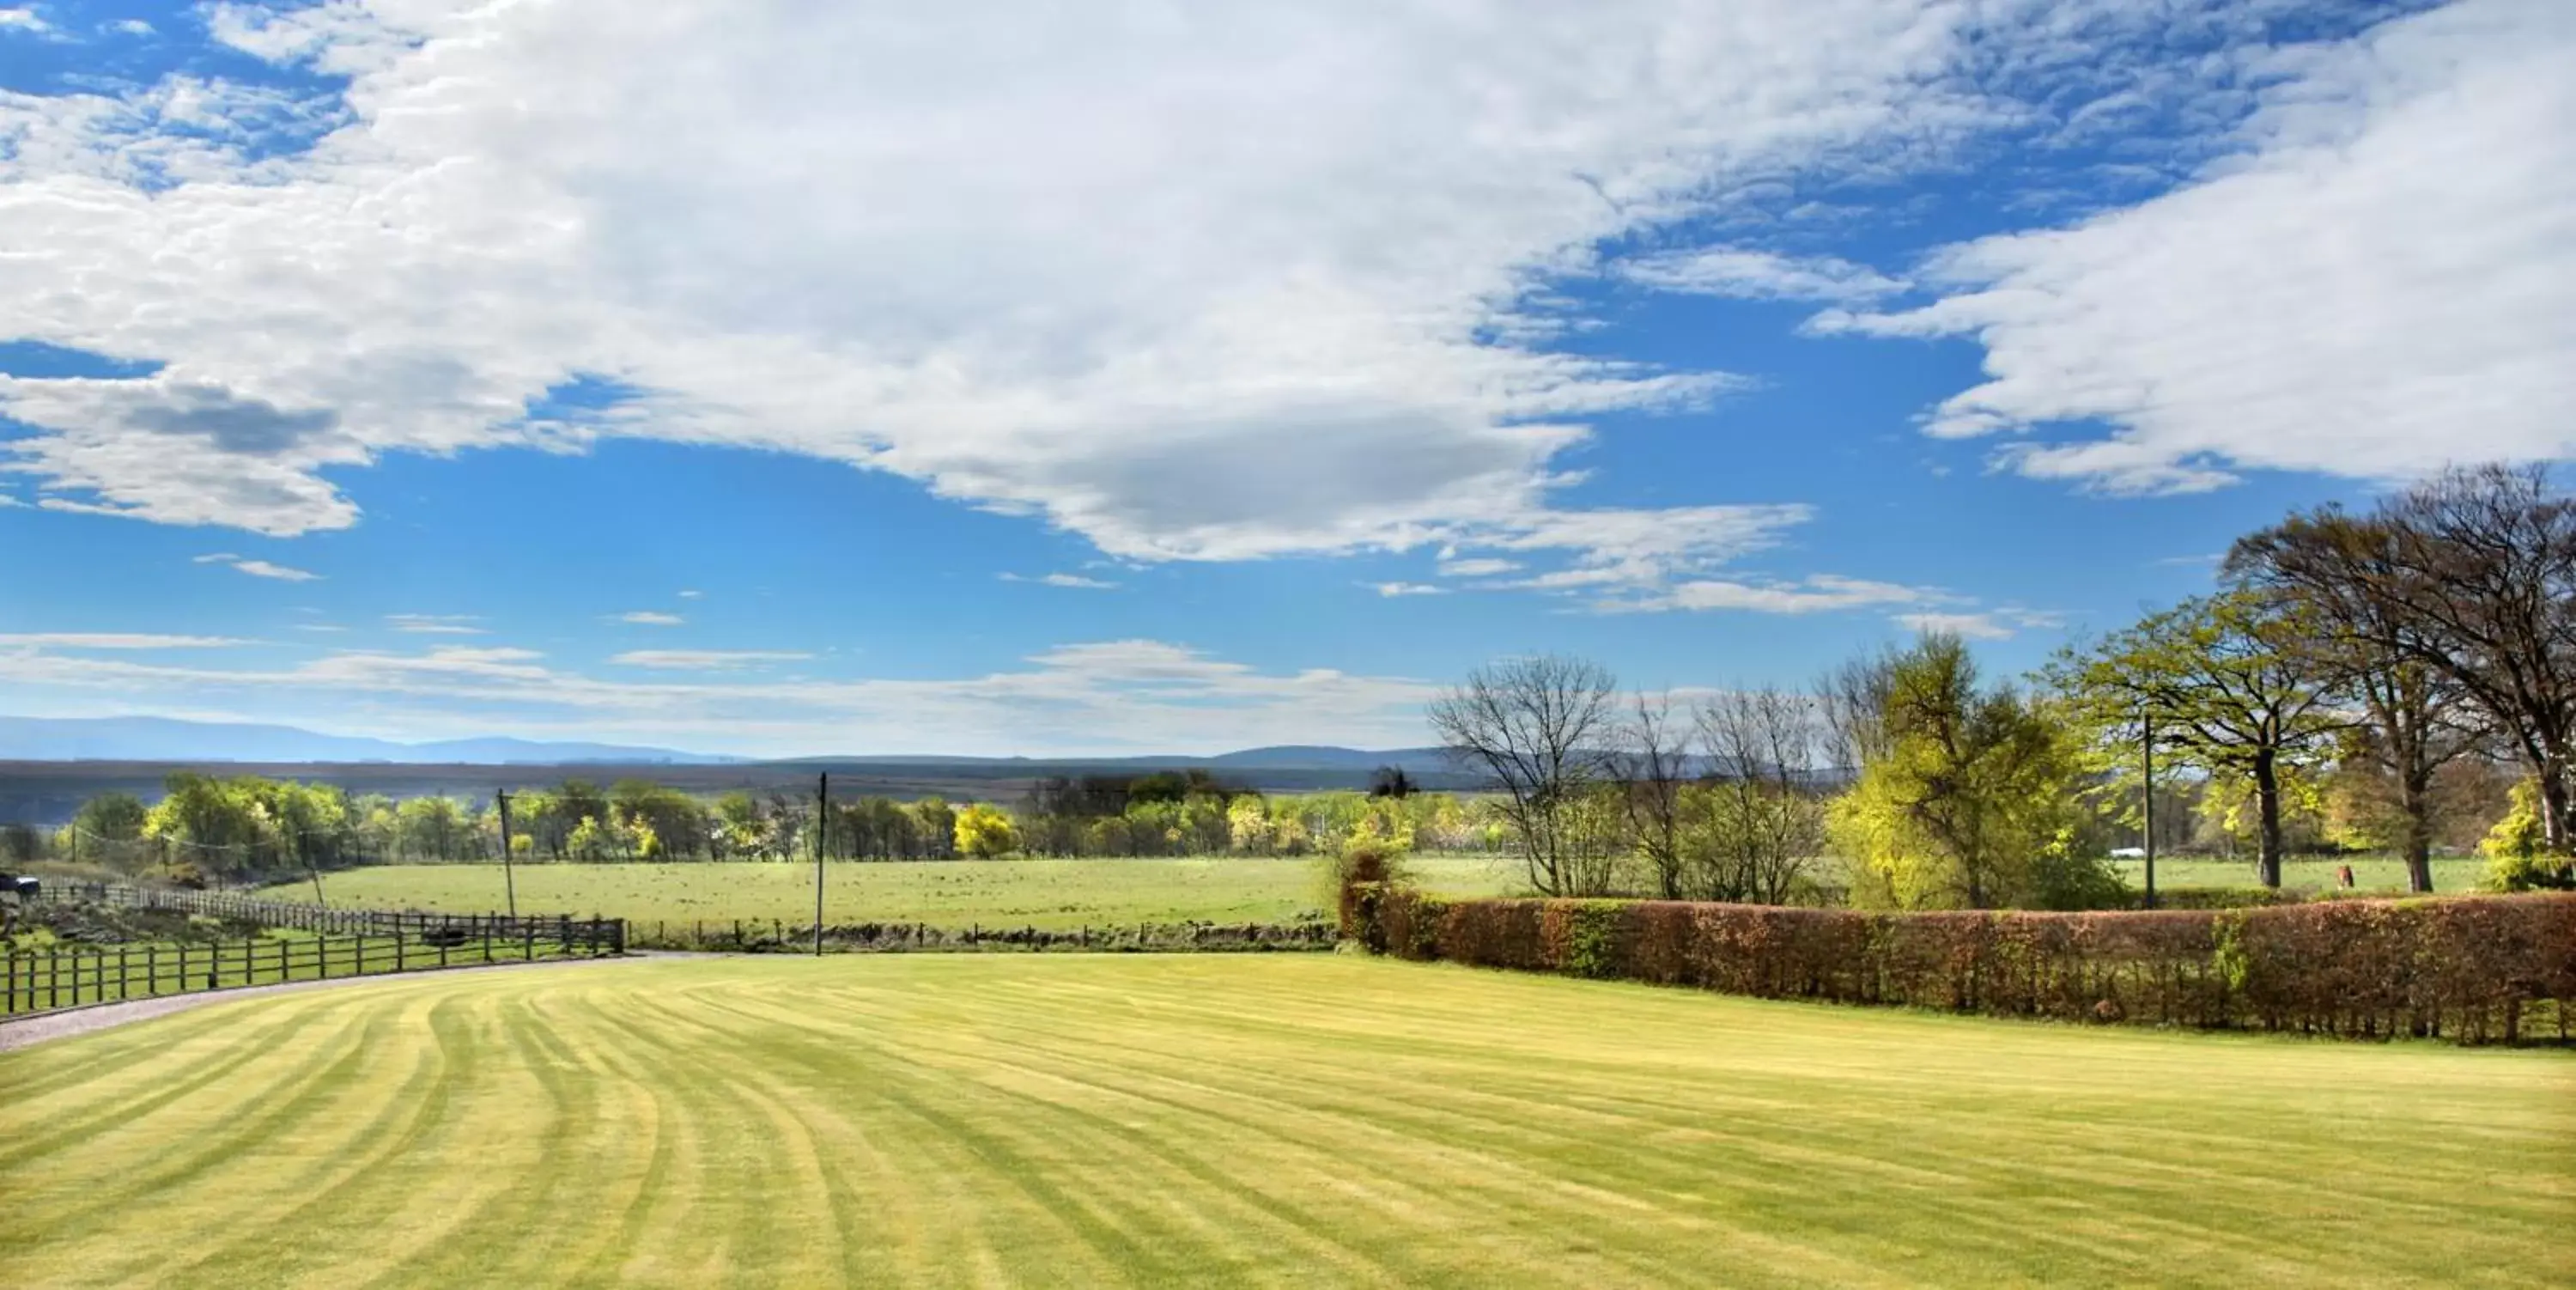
x,y
822,832
2147,751
509,880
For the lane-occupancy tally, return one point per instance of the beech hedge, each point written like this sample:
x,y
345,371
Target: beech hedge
x,y
2473,969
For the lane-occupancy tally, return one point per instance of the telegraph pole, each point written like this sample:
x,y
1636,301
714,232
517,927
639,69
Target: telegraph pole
x,y
2147,752
822,832
509,881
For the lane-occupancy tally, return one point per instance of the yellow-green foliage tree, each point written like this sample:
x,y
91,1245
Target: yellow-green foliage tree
x,y
1968,797
985,832
2517,848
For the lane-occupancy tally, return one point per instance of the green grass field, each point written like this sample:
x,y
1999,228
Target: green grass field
x,y
995,893
2452,874
1295,1120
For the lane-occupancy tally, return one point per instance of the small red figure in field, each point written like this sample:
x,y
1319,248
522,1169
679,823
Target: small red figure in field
x,y
2343,876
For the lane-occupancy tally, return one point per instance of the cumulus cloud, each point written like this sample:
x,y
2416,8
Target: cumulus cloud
x,y
1091,697
20,18
2378,280
1248,282
1760,275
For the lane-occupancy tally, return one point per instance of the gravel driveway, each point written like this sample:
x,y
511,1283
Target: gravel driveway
x,y
26,1031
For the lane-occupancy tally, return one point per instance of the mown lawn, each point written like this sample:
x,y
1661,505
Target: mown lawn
x,y
1291,1120
995,893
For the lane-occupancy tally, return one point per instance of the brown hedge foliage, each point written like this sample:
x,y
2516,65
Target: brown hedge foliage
x,y
2471,968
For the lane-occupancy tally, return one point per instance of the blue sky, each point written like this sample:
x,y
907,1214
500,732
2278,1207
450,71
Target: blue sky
x,y
776,380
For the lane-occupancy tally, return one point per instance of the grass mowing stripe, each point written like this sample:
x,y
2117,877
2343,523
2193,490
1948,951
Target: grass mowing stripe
x,y
345,1174
1305,1119
899,1090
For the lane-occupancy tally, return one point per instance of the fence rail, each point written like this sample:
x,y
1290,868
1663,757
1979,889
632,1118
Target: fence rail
x,y
323,918
773,935
44,980
346,942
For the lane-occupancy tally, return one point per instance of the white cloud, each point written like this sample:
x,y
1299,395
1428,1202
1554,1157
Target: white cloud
x,y
435,624
1106,696
1641,548
650,618
1477,567
23,19
1986,624
1760,275
2381,281
691,595
133,27
1981,627
6,501
1217,287
113,640
263,569
1394,589
1819,593
1071,580
705,660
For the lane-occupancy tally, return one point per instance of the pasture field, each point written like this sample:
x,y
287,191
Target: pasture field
x,y
2451,874
1293,1120
949,893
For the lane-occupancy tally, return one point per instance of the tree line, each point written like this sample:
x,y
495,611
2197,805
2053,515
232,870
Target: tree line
x,y
2370,679
205,827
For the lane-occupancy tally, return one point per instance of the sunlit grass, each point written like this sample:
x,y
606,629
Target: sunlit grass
x,y
1195,1120
996,893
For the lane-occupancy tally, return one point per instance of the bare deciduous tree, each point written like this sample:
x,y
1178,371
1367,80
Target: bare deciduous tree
x,y
1764,819
1539,730
1654,768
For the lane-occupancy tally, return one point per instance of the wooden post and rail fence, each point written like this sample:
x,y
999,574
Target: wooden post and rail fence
x,y
346,943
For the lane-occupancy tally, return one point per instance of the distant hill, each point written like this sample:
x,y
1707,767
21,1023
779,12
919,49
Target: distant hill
x,y
165,739
1282,757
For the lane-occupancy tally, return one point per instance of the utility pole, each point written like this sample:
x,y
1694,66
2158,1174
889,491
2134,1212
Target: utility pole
x,y
509,880
2147,750
822,832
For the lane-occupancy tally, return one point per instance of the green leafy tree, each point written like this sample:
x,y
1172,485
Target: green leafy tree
x,y
1967,793
106,829
2232,689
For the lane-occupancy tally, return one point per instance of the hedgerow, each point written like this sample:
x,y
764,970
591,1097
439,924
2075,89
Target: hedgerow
x,y
2474,969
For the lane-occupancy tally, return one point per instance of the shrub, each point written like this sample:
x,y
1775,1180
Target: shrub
x,y
1366,868
2224,897
2530,871
2471,968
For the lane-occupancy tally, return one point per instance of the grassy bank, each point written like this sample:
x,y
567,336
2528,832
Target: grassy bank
x,y
1304,1120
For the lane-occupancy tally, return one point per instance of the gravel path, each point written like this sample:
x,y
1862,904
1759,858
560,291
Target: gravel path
x,y
26,1031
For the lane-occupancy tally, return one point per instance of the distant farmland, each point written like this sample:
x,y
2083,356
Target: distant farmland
x,y
949,893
